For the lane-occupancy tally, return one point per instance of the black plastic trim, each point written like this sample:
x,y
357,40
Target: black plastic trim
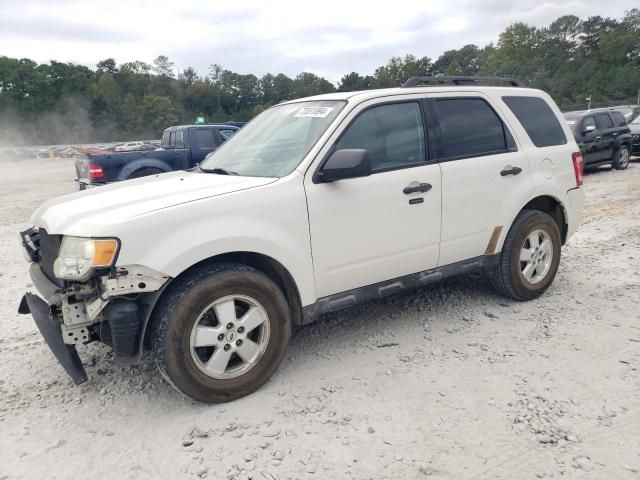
x,y
51,292
353,297
52,333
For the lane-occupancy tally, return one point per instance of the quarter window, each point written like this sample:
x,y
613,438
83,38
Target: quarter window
x,y
392,134
470,127
538,120
603,121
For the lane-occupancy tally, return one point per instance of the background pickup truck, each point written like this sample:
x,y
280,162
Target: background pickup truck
x,y
182,147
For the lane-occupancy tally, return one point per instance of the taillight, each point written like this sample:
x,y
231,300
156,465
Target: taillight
x,y
95,171
578,167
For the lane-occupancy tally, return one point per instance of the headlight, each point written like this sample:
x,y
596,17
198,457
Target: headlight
x,y
79,256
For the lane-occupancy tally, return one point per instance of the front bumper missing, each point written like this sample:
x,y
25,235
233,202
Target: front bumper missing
x,y
67,355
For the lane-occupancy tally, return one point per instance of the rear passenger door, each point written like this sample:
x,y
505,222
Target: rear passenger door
x,y
484,174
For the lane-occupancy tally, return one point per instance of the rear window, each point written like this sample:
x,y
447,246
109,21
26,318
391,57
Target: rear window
x,y
165,139
618,119
538,120
470,127
179,139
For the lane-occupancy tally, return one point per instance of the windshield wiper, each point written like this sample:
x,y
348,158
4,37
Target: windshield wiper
x,y
217,170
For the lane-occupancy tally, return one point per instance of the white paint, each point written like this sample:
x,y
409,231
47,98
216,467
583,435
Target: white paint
x,y
360,231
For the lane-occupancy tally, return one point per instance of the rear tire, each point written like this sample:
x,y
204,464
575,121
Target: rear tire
x,y
530,257
621,158
145,172
198,342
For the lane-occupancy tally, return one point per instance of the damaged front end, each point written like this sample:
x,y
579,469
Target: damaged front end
x,y
108,304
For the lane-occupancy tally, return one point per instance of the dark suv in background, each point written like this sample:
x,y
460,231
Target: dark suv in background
x,y
635,137
602,135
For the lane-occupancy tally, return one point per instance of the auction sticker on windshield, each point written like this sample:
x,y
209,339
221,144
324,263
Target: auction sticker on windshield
x,y
314,112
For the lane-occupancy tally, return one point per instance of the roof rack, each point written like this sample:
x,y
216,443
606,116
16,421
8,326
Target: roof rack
x,y
459,80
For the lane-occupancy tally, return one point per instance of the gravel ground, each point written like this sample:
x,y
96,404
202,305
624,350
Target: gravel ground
x,y
449,382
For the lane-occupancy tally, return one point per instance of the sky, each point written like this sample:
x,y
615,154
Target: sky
x,y
328,37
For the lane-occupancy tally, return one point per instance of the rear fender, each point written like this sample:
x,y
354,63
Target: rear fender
x,y
136,165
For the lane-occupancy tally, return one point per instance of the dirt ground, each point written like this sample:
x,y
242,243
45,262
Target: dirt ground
x,y
449,382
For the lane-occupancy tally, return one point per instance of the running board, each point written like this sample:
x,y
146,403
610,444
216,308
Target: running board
x,y
353,297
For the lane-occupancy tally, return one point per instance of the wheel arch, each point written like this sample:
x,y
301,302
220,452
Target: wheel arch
x,y
547,204
130,168
271,267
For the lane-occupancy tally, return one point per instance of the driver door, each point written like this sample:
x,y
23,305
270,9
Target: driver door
x,y
371,229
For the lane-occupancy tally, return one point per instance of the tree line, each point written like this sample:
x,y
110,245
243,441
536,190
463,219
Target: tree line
x,y
57,102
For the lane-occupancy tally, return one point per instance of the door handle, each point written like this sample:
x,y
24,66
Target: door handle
x,y
599,137
415,187
509,170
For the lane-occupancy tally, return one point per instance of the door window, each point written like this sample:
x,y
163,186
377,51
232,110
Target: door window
x,y
469,128
588,122
204,138
392,134
603,121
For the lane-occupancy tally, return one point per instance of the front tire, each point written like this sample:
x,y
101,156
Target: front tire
x,y
530,257
621,158
220,332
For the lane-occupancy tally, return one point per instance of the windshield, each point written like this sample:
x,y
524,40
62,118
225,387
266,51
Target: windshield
x,y
276,141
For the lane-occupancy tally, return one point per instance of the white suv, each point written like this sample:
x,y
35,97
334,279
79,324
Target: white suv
x,y
315,205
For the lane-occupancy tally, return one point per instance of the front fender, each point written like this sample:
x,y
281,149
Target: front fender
x,y
132,167
269,220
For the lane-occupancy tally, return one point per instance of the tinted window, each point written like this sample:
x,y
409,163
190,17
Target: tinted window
x,y
179,139
603,121
172,139
538,120
618,119
392,134
226,134
469,126
204,138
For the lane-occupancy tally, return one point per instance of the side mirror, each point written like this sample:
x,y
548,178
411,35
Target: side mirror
x,y
589,129
347,163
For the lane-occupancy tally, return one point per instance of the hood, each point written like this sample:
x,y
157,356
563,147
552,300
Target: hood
x,y
90,211
635,128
